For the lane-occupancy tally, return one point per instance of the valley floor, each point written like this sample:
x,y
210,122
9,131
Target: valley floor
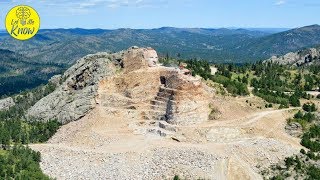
x,y
105,144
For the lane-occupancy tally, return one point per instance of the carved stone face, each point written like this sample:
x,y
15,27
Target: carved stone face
x,y
152,57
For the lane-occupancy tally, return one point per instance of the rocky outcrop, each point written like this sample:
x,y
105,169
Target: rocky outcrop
x,y
56,80
75,96
303,57
294,129
6,103
130,80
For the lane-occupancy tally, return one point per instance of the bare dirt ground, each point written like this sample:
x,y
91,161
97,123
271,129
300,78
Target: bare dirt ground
x,y
111,144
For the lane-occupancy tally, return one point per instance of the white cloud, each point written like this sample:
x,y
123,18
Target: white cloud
x,y
280,2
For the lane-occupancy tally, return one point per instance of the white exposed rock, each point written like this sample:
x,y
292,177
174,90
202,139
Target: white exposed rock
x,y
75,97
304,57
56,79
6,103
294,129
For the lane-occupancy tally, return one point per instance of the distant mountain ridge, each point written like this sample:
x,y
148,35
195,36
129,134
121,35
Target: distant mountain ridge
x,y
64,46
26,64
213,31
284,42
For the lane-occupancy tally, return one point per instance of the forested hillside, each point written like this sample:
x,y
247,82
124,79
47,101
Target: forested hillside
x,y
27,64
284,42
64,46
18,73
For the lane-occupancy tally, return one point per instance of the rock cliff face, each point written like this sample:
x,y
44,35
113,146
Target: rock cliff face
x,y
299,58
77,87
128,80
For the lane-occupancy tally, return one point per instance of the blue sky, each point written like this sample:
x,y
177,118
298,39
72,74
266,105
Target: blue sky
x,y
112,14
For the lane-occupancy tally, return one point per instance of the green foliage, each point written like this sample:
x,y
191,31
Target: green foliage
x,y
294,100
18,73
185,44
298,115
21,162
289,162
275,83
176,177
271,76
202,68
309,107
309,117
42,131
313,173
300,165
25,100
233,87
273,97
309,82
18,131
297,164
304,119
312,155
310,139
14,128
